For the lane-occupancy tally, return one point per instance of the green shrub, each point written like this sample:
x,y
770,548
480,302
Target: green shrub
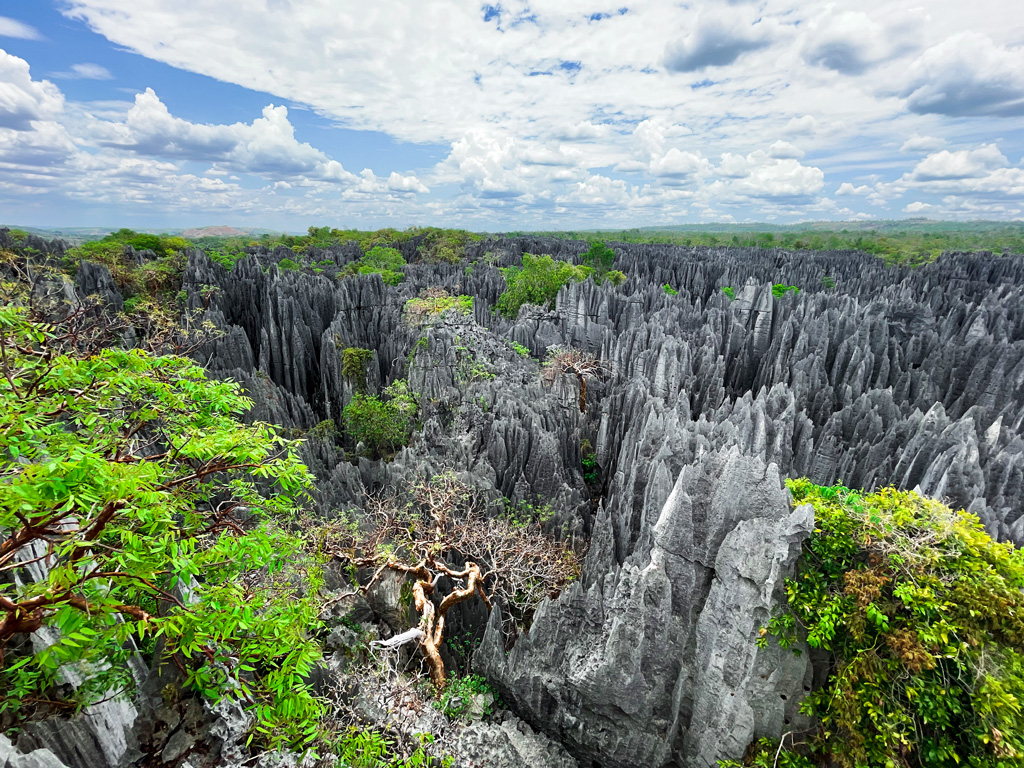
x,y
615,277
827,281
353,366
288,265
729,291
370,749
921,614
383,426
537,281
519,349
446,246
433,302
672,291
229,259
781,289
380,260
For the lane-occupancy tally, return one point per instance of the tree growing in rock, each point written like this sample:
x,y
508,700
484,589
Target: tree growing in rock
x,y
570,361
444,522
123,477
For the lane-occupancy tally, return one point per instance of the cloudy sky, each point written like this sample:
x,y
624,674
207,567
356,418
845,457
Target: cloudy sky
x,y
522,114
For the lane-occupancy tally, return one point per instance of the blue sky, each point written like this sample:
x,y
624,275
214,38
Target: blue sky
x,y
512,115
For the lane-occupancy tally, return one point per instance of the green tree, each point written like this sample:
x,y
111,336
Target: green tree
x,y
600,258
156,514
537,281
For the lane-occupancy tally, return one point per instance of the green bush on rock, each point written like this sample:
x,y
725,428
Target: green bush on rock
x,y
537,281
921,615
385,425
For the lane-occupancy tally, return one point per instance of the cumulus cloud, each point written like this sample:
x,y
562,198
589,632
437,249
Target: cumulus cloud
x,y
846,188
759,175
266,147
22,99
967,75
921,144
717,40
962,164
14,28
783,150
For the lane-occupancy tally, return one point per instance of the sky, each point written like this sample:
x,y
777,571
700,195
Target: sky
x,y
521,114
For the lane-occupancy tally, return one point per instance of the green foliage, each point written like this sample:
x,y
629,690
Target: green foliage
x,y
766,754
729,291
600,259
781,289
922,615
288,265
615,277
525,514
386,262
162,485
370,749
159,276
353,366
907,241
828,282
670,290
227,259
456,700
537,281
444,245
383,426
435,302
519,349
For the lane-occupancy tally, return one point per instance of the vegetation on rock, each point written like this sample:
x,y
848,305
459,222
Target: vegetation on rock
x,y
537,281
154,514
433,302
380,260
382,425
921,616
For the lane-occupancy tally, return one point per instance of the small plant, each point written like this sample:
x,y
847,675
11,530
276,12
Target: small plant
x,y
781,289
288,265
456,701
519,349
671,291
828,282
730,292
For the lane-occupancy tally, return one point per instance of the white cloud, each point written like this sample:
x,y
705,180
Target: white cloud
x,y
266,147
13,28
718,39
918,207
918,143
784,150
22,99
759,175
962,164
846,188
852,42
967,75
85,72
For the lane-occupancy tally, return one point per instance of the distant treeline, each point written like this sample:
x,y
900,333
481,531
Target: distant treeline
x,y
902,242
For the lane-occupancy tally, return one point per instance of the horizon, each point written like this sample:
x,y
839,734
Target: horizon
x,y
532,116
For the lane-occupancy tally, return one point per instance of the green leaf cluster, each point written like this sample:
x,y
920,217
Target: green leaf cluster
x,y
158,276
921,615
383,425
381,260
537,281
781,289
446,246
159,517
456,701
670,290
730,292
